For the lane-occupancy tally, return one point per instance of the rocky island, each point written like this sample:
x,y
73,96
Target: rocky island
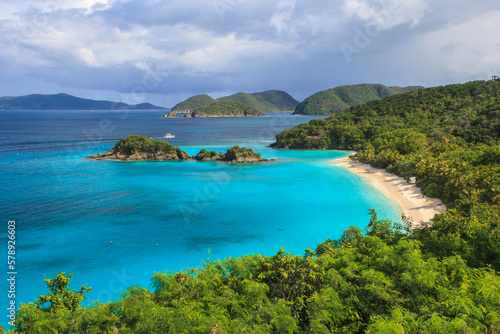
x,y
140,148
235,155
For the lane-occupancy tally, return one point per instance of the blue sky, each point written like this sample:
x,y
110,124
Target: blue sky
x,y
165,51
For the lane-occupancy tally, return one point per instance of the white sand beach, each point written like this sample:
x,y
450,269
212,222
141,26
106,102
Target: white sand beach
x,y
417,207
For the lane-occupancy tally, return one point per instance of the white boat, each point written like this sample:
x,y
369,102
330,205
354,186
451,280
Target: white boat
x,y
168,135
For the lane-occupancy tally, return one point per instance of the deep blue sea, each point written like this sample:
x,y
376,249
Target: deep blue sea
x,y
113,224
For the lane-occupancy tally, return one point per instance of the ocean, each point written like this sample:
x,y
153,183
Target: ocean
x,y
113,224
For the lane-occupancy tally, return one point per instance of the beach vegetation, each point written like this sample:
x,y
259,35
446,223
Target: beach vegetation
x,y
371,282
448,138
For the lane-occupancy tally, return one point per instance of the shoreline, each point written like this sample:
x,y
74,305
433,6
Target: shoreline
x,y
416,207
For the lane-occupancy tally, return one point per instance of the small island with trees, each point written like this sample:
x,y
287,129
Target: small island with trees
x,y
235,154
140,148
220,109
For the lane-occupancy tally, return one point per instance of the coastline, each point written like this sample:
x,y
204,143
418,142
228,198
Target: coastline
x,y
417,207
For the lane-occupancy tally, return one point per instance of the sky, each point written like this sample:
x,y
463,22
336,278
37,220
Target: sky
x,y
165,51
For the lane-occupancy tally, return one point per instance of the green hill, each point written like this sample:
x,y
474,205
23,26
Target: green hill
x,y
193,103
268,101
338,99
66,102
227,109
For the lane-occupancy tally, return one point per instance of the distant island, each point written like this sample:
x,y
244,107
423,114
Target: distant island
x,y
338,99
66,102
221,109
140,148
268,101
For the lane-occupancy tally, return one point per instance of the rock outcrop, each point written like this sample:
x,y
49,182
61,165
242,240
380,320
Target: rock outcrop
x,y
171,114
205,155
234,155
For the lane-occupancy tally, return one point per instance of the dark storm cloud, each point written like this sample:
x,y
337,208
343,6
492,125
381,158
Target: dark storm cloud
x,y
178,48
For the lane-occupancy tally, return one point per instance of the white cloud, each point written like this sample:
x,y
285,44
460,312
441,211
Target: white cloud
x,y
115,43
388,13
282,16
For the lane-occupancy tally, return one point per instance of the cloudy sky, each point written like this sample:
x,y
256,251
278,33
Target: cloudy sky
x,y
163,51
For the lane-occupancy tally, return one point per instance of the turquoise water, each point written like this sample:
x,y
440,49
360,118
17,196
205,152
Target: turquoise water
x,y
113,224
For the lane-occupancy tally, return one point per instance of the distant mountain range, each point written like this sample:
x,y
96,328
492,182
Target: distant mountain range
x,y
66,102
338,99
268,101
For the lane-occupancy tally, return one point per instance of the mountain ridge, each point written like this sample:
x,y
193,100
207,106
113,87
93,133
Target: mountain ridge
x,y
63,101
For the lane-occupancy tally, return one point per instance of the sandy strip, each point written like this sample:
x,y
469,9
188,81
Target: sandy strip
x,y
417,207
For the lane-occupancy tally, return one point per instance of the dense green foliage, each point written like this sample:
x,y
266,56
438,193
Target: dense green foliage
x,y
268,101
193,103
448,138
66,102
142,144
227,109
208,154
338,99
380,282
234,152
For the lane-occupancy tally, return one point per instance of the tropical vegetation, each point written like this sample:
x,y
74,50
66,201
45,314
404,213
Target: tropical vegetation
x,y
193,103
268,101
227,109
136,143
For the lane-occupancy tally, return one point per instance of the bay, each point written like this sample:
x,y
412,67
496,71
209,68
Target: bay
x,y
113,224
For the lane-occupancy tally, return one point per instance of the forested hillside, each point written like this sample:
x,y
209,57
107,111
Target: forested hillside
x,y
338,99
388,278
270,100
227,109
194,103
